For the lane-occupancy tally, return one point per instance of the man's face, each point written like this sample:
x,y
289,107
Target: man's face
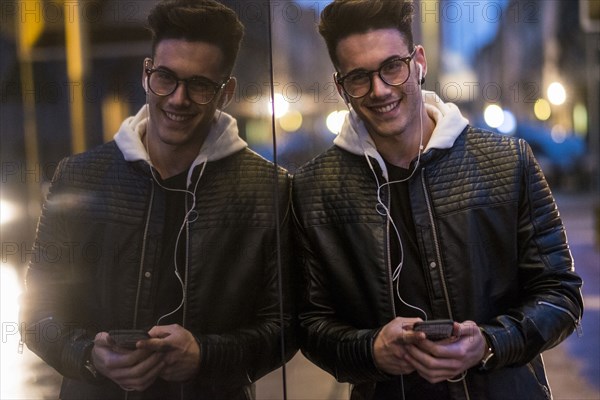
x,y
175,120
386,110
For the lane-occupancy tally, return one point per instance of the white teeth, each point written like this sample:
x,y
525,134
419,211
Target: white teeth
x,y
385,109
178,118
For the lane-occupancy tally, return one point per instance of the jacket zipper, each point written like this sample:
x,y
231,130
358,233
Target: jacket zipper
x,y
141,270
439,261
140,274
576,321
545,388
436,244
187,263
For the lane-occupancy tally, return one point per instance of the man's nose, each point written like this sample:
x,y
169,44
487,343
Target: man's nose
x,y
378,87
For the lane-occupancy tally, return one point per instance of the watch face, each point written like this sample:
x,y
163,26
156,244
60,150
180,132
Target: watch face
x,y
90,367
487,358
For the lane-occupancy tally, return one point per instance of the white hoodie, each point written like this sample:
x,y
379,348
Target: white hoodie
x,y
449,123
222,140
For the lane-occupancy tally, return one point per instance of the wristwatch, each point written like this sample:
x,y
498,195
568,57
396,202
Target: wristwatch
x,y
488,356
88,364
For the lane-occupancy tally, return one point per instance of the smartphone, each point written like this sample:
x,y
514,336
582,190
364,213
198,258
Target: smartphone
x,y
436,329
127,338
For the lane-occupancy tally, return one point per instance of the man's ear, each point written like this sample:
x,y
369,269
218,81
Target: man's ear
x,y
147,65
421,62
340,90
228,93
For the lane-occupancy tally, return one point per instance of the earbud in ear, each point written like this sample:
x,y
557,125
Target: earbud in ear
x,y
147,66
225,100
346,98
420,74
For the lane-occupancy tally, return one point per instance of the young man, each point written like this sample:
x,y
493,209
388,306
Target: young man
x,y
170,229
415,215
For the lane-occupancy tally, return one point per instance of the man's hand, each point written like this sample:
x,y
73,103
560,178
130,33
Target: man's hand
x,y
179,348
390,346
448,358
130,369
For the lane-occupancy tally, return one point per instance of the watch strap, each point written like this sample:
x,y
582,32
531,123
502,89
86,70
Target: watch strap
x,y
88,363
488,355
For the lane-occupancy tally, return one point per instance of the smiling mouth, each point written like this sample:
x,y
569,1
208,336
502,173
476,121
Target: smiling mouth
x,y
178,117
386,108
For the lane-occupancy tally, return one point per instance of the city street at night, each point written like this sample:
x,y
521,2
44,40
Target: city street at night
x,y
396,141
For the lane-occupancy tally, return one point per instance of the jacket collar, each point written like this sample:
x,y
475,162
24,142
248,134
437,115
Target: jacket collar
x,y
449,123
222,140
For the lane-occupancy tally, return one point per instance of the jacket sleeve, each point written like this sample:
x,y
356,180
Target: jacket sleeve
x,y
50,326
344,351
552,304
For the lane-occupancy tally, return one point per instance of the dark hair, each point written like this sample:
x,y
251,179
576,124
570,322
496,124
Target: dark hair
x,y
342,18
198,20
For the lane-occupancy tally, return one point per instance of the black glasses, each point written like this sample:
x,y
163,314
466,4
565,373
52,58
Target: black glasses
x,y
393,72
199,89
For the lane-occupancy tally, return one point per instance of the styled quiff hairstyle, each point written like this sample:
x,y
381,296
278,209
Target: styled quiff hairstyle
x,y
198,20
342,18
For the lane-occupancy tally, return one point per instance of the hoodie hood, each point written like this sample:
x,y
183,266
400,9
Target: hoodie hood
x,y
449,123
222,140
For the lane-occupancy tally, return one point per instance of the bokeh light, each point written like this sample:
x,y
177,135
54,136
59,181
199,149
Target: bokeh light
x,y
8,212
580,119
542,109
493,115
556,93
281,106
335,120
291,121
558,133
509,125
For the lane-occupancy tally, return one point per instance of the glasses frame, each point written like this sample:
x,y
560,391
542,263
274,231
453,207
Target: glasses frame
x,y
217,86
340,79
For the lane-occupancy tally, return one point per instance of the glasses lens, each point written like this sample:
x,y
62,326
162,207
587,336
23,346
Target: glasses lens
x,y
394,72
201,91
357,84
162,82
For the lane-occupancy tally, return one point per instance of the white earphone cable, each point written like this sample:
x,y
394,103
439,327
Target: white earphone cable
x,y
186,220
383,210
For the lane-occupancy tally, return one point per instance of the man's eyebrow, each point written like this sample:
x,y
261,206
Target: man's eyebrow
x,y
169,70
162,67
390,58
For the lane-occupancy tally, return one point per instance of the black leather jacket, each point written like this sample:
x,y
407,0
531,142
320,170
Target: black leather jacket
x,y
96,260
492,246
